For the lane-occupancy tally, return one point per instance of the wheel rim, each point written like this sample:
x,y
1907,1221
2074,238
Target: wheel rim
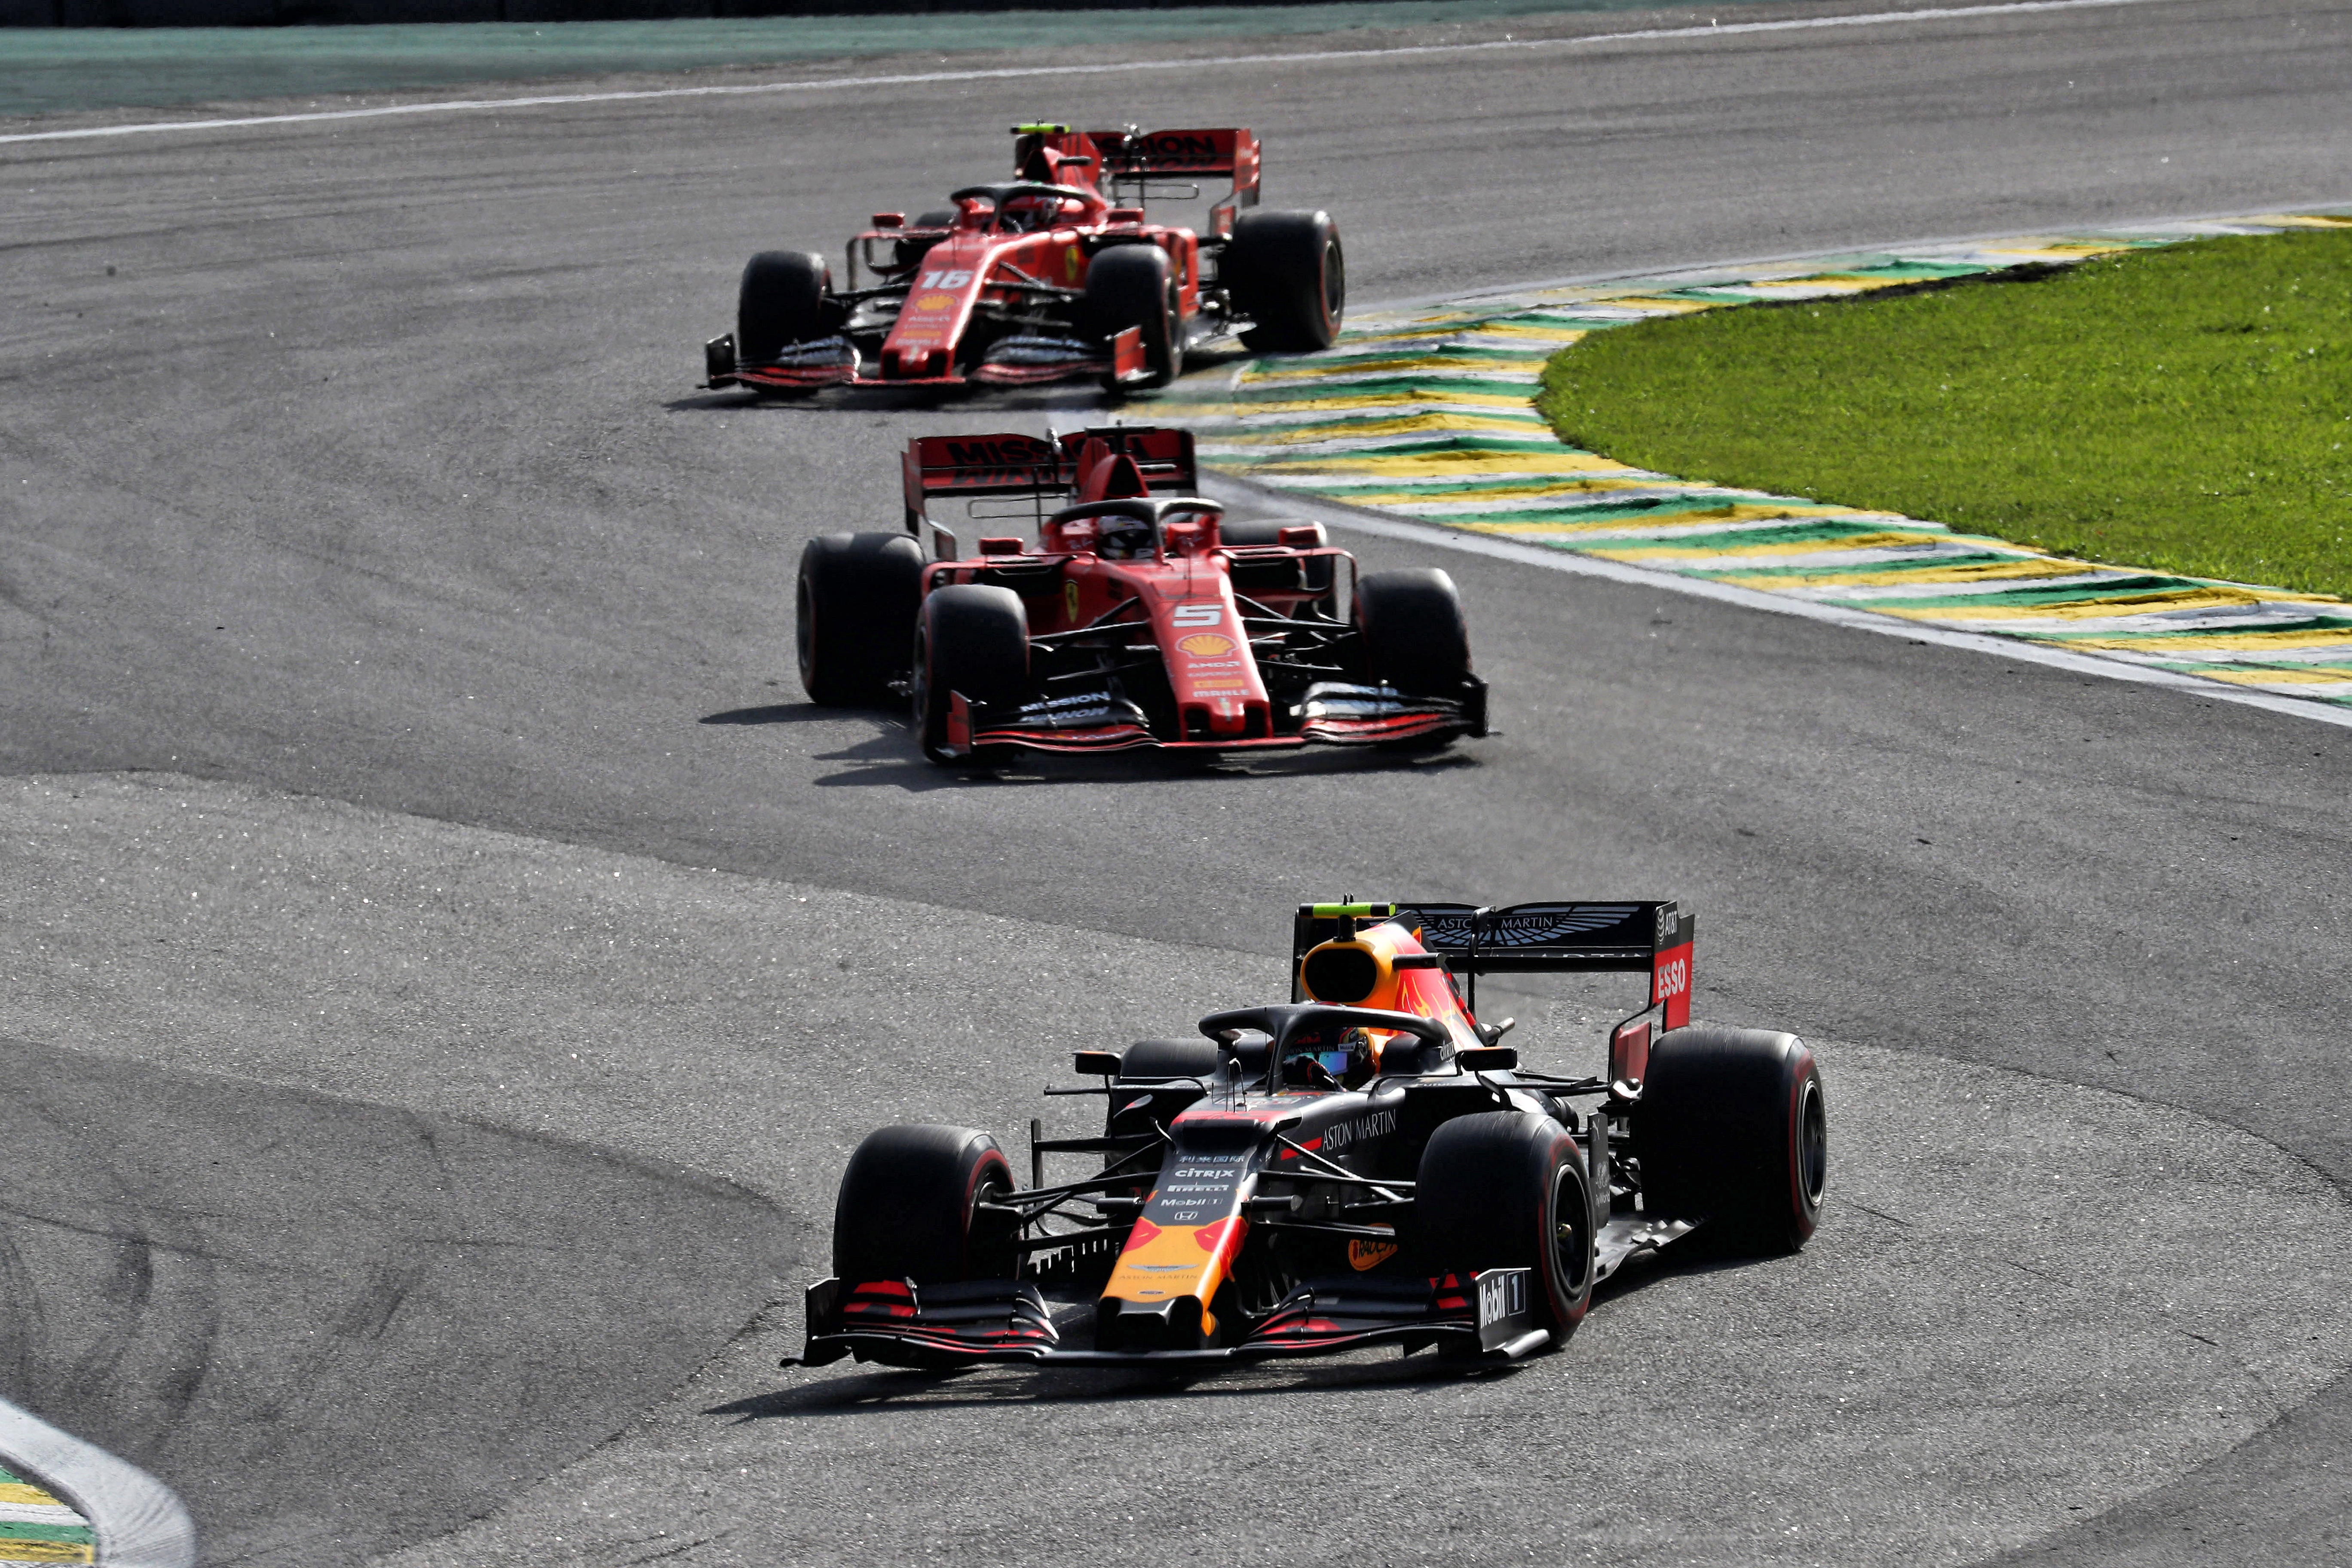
x,y
1335,283
1571,1230
1813,1144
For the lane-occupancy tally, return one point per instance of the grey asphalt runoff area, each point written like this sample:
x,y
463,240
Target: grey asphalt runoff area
x,y
352,474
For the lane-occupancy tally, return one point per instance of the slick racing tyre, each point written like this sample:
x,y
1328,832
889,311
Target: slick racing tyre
x,y
1412,633
969,639
910,1208
855,614
1506,1189
1286,273
783,301
1133,286
1733,1128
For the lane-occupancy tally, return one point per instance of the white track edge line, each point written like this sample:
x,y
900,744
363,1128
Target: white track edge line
x,y
139,1522
1307,56
1753,599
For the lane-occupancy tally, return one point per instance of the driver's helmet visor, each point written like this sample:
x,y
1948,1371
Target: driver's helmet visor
x,y
1124,540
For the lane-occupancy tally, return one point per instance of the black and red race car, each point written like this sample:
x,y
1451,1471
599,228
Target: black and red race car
x,y
1365,1165
1055,273
1127,612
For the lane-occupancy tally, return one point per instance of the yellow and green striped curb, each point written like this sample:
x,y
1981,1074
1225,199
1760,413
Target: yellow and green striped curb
x,y
36,1526
1427,414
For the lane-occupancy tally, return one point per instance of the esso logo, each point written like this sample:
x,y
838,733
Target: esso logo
x,y
956,279
1199,615
1672,978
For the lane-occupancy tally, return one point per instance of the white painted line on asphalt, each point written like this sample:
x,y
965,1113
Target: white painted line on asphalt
x,y
1306,57
1750,598
139,1522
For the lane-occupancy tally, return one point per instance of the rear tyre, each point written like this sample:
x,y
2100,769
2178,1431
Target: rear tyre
x,y
969,639
1506,1189
855,614
1133,286
1733,1127
1287,273
783,301
1413,634
910,1208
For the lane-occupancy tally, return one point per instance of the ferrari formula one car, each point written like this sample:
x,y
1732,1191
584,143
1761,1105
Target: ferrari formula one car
x,y
1363,1165
1055,273
1136,616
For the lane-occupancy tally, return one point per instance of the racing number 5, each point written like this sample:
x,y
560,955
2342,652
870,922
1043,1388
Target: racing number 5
x,y
1198,614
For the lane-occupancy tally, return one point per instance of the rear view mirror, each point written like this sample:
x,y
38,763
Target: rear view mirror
x,y
1488,1058
1097,1064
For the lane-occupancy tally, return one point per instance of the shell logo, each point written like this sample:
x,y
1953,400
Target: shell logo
x,y
935,303
1206,645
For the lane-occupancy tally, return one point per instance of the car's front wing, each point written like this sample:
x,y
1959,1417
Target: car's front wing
x,y
896,1323
1336,715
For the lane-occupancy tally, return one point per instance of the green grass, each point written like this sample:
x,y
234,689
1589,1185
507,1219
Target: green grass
x,y
2186,408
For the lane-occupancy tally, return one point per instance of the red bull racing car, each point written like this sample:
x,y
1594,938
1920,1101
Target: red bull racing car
x,y
1127,612
1363,1165
1055,273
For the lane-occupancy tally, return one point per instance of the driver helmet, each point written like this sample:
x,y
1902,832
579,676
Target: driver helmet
x,y
1122,538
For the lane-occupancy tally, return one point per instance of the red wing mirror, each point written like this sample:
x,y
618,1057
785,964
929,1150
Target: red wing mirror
x,y
1302,535
996,546
1629,1058
1124,215
889,220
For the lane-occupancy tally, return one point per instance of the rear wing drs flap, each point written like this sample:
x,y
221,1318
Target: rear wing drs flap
x,y
1041,470
1651,936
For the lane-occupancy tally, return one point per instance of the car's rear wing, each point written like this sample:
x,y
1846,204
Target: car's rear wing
x,y
1650,936
1140,159
1041,472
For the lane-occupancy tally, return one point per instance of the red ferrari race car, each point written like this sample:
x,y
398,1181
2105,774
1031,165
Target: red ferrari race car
x,y
1055,273
1128,612
1363,1165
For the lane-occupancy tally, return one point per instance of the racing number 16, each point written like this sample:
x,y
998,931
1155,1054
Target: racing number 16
x,y
938,279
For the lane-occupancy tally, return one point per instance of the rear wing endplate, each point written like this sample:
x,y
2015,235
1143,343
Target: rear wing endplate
x,y
1650,936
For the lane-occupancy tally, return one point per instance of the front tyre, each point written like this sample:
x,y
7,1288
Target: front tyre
x,y
1287,273
855,614
783,301
969,639
1134,286
1506,1189
1733,1127
1412,632
910,1208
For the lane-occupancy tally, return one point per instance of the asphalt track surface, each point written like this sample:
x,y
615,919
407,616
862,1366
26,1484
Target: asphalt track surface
x,y
370,474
